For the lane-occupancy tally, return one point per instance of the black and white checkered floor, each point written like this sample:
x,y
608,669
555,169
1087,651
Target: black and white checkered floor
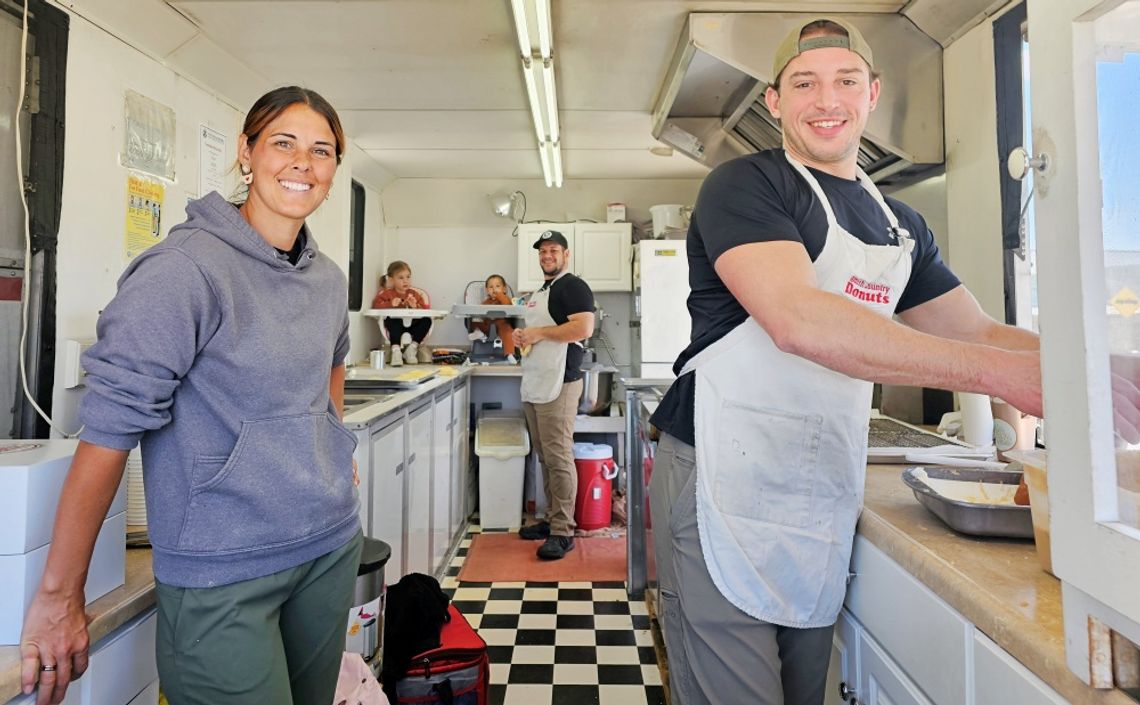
x,y
560,643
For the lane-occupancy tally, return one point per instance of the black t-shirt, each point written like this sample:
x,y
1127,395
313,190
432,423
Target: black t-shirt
x,y
570,295
761,198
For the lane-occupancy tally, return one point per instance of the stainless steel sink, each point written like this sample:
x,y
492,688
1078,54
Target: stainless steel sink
x,y
352,402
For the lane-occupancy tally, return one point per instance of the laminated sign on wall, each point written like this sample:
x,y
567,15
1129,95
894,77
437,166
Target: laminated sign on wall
x,y
144,214
148,137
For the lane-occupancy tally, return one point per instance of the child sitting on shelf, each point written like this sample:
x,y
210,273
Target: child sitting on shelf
x,y
397,292
497,294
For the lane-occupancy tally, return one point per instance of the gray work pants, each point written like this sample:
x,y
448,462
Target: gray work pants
x,y
717,653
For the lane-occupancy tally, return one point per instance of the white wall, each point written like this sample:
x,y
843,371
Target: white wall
x,y
91,238
972,191
100,69
928,197
445,229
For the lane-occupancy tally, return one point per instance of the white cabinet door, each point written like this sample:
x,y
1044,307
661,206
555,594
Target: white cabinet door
x,y
604,255
999,679
459,458
842,673
387,451
440,479
417,478
881,681
363,458
530,276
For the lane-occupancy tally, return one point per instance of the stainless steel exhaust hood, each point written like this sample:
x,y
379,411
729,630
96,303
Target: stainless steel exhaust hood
x,y
711,106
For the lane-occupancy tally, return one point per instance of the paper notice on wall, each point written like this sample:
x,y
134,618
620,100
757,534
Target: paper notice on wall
x,y
144,214
148,140
211,161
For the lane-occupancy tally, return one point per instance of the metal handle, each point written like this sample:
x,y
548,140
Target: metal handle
x,y
399,468
847,693
411,458
1019,162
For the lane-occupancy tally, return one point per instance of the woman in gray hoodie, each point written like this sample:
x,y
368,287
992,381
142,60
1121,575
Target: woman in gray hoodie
x,y
223,354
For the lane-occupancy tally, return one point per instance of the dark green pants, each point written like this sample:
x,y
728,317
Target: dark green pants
x,y
276,640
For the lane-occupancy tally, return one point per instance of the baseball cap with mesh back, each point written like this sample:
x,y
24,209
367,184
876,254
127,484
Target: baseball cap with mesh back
x,y
792,46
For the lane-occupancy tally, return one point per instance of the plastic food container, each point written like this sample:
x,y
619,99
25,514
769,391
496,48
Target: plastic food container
x,y
1034,462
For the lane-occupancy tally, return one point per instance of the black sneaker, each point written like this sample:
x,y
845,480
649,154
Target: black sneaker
x,y
556,547
535,532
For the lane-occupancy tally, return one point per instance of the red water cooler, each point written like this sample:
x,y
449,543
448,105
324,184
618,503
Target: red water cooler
x,y
596,471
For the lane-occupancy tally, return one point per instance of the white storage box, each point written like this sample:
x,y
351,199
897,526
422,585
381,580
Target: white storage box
x,y
30,485
501,444
20,575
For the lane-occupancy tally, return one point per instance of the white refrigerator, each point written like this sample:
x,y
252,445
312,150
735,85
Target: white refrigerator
x,y
662,276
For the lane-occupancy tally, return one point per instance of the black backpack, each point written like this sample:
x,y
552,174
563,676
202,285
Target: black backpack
x,y
415,613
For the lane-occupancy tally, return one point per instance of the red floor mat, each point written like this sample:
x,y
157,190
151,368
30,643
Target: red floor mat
x,y
507,558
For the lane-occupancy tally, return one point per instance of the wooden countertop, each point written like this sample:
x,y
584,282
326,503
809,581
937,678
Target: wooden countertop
x,y
108,613
997,584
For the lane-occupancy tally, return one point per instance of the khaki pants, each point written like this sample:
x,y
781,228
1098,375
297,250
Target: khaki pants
x,y
551,427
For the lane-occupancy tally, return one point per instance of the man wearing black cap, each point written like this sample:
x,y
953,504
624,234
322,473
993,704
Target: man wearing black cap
x,y
797,264
559,316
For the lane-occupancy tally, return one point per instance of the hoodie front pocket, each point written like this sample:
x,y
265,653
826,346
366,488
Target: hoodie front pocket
x,y
287,479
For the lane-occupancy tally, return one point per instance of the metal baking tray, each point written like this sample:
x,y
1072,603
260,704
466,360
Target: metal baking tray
x,y
1001,520
390,378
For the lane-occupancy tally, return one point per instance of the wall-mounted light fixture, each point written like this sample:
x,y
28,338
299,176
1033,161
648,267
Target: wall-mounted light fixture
x,y
538,71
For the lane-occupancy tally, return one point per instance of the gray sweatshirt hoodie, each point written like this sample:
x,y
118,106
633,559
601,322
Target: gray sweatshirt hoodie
x,y
216,354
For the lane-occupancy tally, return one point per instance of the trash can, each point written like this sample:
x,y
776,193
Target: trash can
x,y
596,469
501,444
366,618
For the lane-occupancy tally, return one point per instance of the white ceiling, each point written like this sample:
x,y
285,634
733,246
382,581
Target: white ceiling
x,y
433,88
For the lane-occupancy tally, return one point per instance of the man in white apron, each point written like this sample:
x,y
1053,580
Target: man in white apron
x,y
559,316
797,264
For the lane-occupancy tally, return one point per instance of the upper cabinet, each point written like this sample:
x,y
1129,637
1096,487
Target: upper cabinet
x,y
600,253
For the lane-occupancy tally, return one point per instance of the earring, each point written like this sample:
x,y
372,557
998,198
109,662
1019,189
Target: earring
x,y
327,196
246,176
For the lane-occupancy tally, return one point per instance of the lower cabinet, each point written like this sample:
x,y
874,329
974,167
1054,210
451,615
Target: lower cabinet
x,y
1000,680
898,643
417,479
413,465
122,667
387,489
440,479
460,458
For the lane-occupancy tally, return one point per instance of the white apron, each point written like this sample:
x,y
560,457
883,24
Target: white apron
x,y
781,445
544,367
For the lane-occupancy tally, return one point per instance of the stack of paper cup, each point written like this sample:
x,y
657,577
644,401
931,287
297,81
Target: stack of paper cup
x,y
977,419
136,498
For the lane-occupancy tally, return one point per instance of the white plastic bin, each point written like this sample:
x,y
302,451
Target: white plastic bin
x,y
501,444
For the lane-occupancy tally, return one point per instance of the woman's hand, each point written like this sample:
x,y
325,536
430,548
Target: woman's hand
x,y
55,638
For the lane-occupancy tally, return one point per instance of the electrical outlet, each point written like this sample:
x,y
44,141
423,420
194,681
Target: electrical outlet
x,y
73,372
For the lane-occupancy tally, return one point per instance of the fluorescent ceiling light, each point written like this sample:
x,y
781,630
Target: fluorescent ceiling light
x,y
551,98
520,27
544,154
532,98
549,139
542,9
556,150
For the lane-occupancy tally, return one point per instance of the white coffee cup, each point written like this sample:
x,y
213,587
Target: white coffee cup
x,y
977,419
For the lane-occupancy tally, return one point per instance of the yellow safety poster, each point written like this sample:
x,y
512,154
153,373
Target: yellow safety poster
x,y
144,214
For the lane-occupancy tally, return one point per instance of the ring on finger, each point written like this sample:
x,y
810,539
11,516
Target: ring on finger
x,y
47,669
